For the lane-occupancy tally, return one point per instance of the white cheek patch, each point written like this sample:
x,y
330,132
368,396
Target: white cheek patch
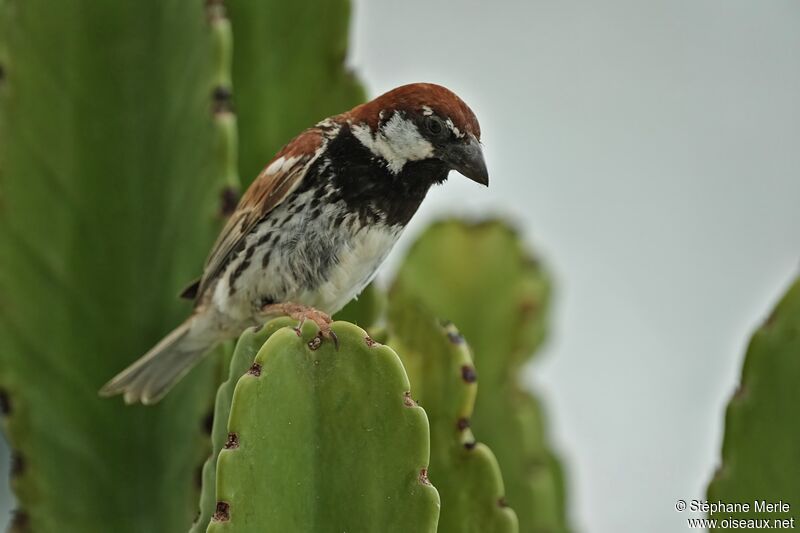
x,y
398,142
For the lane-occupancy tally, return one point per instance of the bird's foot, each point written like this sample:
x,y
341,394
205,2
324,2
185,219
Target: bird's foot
x,y
301,313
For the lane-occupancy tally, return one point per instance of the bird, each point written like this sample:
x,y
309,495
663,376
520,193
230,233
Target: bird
x,y
311,231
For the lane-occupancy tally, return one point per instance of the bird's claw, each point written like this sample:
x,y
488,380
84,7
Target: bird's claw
x,y
301,314
332,336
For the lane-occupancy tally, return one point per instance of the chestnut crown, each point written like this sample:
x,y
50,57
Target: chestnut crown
x,y
421,121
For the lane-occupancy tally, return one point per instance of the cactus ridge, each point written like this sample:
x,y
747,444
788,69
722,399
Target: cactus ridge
x,y
107,134
306,453
444,381
241,363
499,304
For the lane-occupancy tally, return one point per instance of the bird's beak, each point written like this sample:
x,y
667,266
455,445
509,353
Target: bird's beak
x,y
467,159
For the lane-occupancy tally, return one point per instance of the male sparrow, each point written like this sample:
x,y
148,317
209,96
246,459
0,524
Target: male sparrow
x,y
313,228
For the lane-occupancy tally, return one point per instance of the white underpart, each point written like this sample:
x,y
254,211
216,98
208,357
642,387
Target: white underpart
x,y
359,252
398,141
358,263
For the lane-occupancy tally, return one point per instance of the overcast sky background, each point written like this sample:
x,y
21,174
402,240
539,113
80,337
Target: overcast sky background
x,y
651,150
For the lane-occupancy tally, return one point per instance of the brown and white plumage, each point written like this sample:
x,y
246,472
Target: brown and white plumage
x,y
315,225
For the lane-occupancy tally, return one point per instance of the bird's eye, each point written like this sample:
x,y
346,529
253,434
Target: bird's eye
x,y
435,126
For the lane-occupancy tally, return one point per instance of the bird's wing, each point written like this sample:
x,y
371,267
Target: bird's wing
x,y
275,183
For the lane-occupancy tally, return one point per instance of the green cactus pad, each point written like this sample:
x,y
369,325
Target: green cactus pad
x,y
364,311
479,277
324,439
286,82
442,375
109,201
248,345
760,452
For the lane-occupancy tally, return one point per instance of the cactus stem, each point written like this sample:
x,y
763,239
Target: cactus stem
x,y
223,512
470,445
222,104
462,424
370,341
501,502
255,370
310,384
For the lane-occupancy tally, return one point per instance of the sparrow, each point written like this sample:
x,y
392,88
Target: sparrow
x,y
310,232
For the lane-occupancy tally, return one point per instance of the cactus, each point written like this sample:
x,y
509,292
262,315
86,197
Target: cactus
x,y
247,347
321,438
109,185
365,310
442,377
760,457
479,277
288,71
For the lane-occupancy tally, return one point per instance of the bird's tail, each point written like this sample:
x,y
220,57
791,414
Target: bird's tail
x,y
149,378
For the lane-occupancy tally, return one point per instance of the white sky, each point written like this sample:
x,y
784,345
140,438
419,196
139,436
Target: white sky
x,y
651,150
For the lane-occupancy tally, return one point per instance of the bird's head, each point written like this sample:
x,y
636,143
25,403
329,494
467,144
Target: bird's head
x,y
420,122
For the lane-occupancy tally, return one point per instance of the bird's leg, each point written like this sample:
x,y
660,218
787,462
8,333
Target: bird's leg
x,y
303,313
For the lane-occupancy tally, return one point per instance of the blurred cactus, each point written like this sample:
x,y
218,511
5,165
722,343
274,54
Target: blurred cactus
x,y
322,439
760,457
366,310
109,186
479,277
442,375
286,82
